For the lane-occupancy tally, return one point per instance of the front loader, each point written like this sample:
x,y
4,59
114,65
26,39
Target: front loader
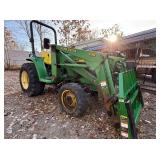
x,y
75,73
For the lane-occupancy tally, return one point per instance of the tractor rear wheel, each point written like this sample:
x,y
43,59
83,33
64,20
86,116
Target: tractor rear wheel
x,y
73,99
29,81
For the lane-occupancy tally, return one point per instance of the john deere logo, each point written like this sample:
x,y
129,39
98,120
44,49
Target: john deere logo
x,y
93,54
69,50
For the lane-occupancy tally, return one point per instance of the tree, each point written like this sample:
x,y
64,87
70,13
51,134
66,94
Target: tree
x,y
9,44
72,31
94,34
24,25
24,29
114,30
40,31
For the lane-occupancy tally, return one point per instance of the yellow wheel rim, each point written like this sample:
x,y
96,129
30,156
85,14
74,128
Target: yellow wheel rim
x,y
25,79
68,99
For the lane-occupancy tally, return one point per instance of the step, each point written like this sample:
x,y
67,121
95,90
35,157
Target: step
x,y
47,80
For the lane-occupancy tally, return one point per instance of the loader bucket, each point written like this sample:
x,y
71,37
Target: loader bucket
x,y
130,103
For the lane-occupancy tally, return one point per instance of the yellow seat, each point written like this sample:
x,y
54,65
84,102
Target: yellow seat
x,y
46,57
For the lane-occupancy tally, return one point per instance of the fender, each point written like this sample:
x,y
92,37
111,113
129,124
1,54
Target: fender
x,y
41,69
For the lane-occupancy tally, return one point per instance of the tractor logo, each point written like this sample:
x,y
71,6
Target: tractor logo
x,y
93,54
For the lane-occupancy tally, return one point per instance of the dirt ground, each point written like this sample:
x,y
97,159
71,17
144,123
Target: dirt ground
x,y
40,117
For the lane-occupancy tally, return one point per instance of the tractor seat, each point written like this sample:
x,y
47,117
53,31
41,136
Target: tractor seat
x,y
46,57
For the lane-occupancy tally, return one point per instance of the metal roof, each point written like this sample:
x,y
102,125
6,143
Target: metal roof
x,y
140,36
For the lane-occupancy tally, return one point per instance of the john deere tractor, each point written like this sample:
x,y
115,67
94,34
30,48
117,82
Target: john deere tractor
x,y
75,73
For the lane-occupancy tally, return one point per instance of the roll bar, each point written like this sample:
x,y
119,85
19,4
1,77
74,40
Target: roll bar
x,y
43,24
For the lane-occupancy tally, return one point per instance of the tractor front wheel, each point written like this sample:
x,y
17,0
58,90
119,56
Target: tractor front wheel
x,y
73,99
29,81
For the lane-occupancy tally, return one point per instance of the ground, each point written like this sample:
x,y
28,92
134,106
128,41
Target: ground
x,y
41,117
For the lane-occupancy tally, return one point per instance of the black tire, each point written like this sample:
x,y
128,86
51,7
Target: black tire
x,y
35,87
81,99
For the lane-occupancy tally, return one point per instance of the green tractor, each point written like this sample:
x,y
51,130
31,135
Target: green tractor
x,y
75,73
